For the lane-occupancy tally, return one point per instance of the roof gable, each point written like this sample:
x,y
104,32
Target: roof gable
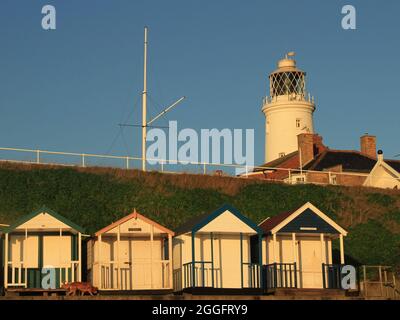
x,y
143,222
227,222
306,219
44,217
380,175
308,222
200,223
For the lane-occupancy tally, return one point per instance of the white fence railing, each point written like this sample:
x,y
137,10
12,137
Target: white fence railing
x,y
286,175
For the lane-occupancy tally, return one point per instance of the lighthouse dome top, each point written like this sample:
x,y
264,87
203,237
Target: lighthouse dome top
x,y
287,63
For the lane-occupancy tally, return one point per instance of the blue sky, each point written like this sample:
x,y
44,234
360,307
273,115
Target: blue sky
x,y
68,89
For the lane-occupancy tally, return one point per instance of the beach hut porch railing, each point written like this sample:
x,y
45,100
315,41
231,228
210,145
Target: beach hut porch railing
x,y
332,276
280,275
205,275
22,277
127,275
250,277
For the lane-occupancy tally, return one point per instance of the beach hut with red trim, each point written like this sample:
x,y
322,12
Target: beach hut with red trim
x,y
131,254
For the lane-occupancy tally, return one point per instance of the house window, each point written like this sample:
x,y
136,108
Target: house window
x,y
300,179
281,155
296,179
297,123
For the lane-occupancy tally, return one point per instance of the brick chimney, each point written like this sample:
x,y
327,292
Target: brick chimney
x,y
319,146
305,143
368,145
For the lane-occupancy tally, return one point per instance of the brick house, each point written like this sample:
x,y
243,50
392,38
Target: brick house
x,y
314,162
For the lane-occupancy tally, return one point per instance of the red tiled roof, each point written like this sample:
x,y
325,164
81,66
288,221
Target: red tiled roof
x,y
269,224
279,162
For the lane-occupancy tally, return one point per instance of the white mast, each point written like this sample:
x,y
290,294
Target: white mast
x,y
144,103
146,124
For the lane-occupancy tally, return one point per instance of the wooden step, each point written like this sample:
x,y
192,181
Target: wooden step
x,y
309,292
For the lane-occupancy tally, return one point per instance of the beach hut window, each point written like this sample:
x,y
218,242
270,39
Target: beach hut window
x,y
165,249
254,249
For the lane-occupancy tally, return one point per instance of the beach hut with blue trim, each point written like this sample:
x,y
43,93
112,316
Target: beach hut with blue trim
x,y
212,253
38,246
297,250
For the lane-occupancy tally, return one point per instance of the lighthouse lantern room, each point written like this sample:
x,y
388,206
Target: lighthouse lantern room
x,y
288,109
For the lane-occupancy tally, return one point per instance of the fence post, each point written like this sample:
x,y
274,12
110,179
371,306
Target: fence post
x,y
37,156
204,168
203,274
386,282
162,165
365,280
83,160
127,162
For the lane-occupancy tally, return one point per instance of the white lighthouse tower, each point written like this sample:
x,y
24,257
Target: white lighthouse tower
x,y
288,109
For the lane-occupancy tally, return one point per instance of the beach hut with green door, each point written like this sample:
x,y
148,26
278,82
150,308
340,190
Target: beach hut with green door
x,y
41,249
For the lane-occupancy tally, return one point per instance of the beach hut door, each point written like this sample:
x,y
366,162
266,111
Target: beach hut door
x,y
310,264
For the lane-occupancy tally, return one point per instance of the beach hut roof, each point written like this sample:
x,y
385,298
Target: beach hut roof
x,y
307,219
198,222
134,215
34,214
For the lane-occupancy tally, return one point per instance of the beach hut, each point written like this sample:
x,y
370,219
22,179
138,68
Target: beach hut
x,y
131,254
212,253
297,249
41,251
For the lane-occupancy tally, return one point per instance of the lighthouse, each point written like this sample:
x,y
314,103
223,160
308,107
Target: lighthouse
x,y
288,109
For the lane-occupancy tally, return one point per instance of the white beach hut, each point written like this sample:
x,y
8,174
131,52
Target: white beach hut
x,y
40,252
212,253
131,254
